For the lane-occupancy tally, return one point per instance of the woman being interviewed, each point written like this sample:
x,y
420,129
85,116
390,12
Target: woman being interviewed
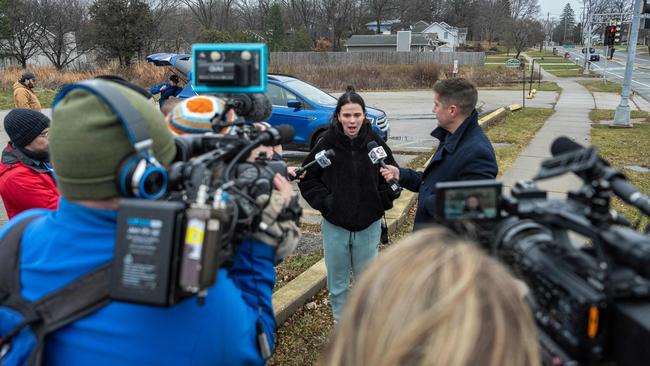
x,y
350,194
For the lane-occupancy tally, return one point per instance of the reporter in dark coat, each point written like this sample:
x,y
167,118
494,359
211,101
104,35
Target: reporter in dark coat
x,y
464,152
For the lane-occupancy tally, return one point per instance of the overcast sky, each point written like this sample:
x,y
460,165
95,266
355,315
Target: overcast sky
x,y
554,7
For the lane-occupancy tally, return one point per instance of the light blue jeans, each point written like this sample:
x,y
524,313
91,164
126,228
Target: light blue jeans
x,y
347,251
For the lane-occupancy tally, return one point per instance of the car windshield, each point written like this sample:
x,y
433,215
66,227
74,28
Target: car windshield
x,y
312,93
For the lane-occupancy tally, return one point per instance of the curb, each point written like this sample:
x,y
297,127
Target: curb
x,y
295,293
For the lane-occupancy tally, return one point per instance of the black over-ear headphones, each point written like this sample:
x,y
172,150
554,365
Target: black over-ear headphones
x,y
140,175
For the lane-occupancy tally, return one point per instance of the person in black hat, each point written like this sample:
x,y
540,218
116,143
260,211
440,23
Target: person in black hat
x,y
24,96
26,178
167,89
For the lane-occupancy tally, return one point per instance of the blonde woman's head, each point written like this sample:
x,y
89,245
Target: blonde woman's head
x,y
433,299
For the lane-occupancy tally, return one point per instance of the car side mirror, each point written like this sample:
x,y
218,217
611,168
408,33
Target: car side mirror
x,y
293,103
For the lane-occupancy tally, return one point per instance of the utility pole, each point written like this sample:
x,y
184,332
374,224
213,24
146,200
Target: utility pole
x,y
585,66
622,115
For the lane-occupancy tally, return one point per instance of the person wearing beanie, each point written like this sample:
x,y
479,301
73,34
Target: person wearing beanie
x,y
88,143
26,179
24,96
167,89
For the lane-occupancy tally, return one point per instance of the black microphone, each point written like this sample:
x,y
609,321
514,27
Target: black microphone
x,y
281,134
620,186
322,159
252,107
377,154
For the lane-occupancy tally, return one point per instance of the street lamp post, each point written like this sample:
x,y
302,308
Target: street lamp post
x,y
622,115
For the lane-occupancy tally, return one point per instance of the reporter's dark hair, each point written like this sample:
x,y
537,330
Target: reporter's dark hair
x,y
457,91
349,97
174,78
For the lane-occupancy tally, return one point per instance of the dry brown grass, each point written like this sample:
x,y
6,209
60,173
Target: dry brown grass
x,y
143,74
392,77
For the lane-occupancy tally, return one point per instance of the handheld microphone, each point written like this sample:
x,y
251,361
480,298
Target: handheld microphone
x,y
377,154
322,159
620,186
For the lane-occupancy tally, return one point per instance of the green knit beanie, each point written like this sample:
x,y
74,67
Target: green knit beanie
x,y
88,143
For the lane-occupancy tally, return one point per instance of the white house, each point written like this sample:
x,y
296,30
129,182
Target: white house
x,y
452,36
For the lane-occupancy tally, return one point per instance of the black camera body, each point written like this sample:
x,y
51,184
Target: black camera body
x,y
591,300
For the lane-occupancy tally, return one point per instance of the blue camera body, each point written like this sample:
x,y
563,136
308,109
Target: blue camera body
x,y
229,68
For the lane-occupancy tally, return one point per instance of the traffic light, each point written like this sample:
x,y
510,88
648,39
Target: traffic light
x,y
610,35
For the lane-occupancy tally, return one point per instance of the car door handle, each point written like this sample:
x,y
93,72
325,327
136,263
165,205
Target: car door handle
x,y
311,118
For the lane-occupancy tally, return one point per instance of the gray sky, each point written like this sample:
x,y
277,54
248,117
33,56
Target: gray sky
x,y
555,7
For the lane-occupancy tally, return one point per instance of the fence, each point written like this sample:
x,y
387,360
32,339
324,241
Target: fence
x,y
374,58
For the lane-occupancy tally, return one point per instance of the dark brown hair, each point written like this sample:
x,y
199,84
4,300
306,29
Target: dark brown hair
x,y
349,97
457,91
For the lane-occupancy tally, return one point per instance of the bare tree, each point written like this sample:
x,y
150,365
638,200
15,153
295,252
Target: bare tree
x,y
524,33
306,12
19,43
523,9
58,23
379,9
211,14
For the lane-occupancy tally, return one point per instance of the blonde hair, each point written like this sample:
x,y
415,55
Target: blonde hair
x,y
433,299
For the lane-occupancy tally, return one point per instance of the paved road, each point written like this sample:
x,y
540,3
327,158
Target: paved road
x,y
412,120
614,70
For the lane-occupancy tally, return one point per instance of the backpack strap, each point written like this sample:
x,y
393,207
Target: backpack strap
x,y
79,298
10,257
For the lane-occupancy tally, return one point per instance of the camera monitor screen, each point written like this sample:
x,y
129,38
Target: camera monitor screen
x,y
229,67
468,200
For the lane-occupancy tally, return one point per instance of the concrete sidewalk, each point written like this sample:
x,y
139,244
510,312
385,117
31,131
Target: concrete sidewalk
x,y
571,119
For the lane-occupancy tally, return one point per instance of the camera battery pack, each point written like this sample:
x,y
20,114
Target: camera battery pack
x,y
144,263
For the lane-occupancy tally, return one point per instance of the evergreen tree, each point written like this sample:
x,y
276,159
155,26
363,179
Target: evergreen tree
x,y
276,36
121,27
564,31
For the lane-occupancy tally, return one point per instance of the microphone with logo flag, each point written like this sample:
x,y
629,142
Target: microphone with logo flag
x,y
322,159
377,155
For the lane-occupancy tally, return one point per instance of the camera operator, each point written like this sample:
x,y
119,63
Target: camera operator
x,y
464,152
88,145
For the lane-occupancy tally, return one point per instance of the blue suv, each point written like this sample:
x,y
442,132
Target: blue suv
x,y
295,102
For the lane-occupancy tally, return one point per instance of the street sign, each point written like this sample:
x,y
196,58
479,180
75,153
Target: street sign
x,y
513,62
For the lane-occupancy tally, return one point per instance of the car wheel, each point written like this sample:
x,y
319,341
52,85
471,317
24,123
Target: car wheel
x,y
318,135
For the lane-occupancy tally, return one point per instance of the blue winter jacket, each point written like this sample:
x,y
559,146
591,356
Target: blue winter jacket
x,y
171,91
467,154
62,245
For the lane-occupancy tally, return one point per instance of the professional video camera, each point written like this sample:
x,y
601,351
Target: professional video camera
x,y
590,297
170,249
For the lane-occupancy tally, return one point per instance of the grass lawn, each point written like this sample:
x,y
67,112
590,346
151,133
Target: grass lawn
x,y
565,66
516,129
536,53
544,86
597,115
621,147
567,73
45,96
599,86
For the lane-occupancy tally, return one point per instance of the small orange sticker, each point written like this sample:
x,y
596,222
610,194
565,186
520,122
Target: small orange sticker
x,y
592,327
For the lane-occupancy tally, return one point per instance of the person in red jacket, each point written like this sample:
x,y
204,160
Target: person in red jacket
x,y
26,178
